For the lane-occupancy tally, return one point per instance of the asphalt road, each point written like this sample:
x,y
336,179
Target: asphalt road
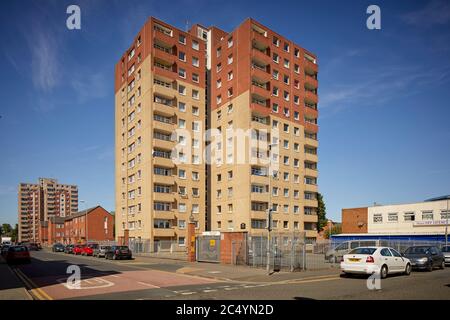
x,y
105,279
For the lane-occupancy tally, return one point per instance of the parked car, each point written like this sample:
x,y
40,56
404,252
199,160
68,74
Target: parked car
x,y
5,249
69,249
32,246
369,260
425,257
337,253
89,249
446,252
58,247
78,249
100,251
118,252
18,254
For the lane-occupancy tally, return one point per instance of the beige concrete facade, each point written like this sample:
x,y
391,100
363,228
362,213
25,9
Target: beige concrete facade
x,y
155,195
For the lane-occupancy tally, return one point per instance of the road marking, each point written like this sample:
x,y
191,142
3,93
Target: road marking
x,y
186,293
148,285
231,288
114,276
313,280
210,290
35,290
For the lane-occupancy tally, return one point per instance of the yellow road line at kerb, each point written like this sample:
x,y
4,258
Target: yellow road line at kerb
x,y
28,285
38,292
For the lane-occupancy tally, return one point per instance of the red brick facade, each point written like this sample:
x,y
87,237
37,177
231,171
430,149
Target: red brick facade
x,y
74,229
354,220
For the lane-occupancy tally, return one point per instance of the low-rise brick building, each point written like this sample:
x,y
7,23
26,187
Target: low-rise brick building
x,y
94,224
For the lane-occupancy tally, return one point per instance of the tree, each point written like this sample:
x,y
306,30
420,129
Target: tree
x,y
15,233
321,213
336,229
6,229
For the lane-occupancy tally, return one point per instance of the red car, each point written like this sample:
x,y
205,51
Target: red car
x,y
89,249
18,254
78,249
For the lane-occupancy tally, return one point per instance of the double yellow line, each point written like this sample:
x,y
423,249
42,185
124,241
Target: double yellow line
x,y
36,292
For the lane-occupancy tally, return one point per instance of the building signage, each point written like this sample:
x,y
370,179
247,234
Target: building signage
x,y
426,223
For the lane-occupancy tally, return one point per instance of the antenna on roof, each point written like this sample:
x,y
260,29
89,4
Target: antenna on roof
x,y
187,25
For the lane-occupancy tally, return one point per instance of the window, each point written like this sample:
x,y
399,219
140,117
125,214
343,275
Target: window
x,y
195,45
182,39
182,106
230,59
276,41
427,215
182,207
195,62
219,51
182,173
181,241
195,94
275,74
182,90
182,73
275,58
409,216
377,218
392,217
286,47
182,56
445,214
286,79
286,63
218,83
230,75
230,42
195,77
195,176
385,252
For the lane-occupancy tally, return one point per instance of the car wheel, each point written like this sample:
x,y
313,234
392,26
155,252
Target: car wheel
x,y
408,269
430,267
443,264
384,272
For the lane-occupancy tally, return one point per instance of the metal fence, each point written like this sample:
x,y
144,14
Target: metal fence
x,y
290,251
169,249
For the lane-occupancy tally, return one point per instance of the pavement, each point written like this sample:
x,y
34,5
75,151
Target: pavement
x,y
11,287
160,279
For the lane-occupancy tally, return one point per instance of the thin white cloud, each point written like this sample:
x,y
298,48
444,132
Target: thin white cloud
x,y
44,60
90,86
436,12
7,190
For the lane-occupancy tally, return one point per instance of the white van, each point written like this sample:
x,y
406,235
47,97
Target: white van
x,y
336,254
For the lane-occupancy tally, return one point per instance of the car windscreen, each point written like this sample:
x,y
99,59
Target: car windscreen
x,y
18,249
417,250
363,251
122,248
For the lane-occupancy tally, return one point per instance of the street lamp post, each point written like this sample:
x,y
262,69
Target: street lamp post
x,y
446,223
269,209
86,219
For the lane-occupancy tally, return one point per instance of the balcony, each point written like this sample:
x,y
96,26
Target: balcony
x,y
311,233
159,232
164,90
310,203
260,73
164,53
163,162
163,109
162,36
259,179
163,126
310,66
261,56
165,70
163,144
160,179
260,39
311,172
260,123
260,215
310,187
164,197
310,82
311,97
259,197
260,91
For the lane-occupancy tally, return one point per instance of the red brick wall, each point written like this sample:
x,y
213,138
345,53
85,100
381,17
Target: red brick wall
x,y
226,245
352,218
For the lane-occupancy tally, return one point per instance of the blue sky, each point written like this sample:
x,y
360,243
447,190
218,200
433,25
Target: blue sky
x,y
384,110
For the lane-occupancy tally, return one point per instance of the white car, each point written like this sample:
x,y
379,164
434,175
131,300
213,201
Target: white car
x,y
380,260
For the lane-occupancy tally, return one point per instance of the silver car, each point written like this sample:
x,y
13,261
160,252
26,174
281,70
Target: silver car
x,y
100,251
446,251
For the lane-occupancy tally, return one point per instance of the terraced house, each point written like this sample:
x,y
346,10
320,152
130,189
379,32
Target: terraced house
x,y
170,86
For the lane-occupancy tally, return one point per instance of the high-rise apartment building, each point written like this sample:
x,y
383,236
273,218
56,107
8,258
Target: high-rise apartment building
x,y
265,85
160,103
257,93
38,202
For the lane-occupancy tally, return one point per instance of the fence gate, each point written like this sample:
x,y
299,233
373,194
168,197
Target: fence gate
x,y
208,248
